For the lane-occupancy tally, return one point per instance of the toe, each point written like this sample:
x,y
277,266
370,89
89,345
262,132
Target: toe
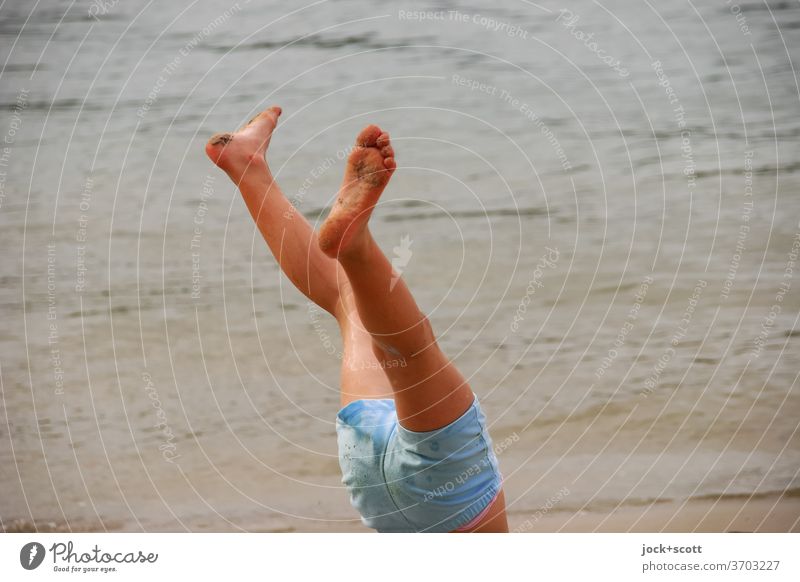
x,y
389,163
383,140
274,112
269,115
368,136
387,151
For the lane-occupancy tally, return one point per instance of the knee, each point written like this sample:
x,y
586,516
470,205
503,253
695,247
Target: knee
x,y
384,351
405,345
428,339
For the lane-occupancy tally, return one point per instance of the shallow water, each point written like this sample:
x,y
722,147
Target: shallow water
x,y
605,250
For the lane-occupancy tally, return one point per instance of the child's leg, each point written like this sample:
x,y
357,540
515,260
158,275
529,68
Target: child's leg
x,y
429,391
287,232
293,242
362,375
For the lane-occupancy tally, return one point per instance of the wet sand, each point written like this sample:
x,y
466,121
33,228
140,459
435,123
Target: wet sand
x,y
770,513
763,514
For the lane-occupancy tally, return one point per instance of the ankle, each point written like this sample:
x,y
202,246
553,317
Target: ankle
x,y
358,250
252,170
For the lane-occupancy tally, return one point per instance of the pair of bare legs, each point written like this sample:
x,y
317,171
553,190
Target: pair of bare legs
x,y
389,347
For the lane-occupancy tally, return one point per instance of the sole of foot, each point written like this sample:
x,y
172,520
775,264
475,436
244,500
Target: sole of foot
x,y
369,168
236,152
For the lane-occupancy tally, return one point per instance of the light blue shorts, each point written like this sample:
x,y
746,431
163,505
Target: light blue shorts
x,y
405,481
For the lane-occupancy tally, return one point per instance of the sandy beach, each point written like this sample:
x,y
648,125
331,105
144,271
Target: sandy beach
x,y
606,247
763,514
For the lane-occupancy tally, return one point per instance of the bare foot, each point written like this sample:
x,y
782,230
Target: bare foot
x,y
369,168
237,152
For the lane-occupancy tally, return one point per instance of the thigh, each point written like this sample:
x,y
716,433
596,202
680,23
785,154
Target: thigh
x,y
429,391
495,520
362,375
